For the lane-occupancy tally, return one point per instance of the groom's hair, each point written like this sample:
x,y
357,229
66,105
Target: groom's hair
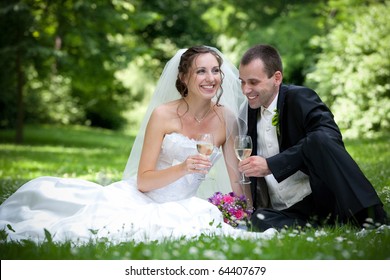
x,y
266,53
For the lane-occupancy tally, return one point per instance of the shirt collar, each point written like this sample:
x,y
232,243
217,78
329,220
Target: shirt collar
x,y
271,108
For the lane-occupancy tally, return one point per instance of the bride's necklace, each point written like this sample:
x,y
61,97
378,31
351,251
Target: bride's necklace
x,y
199,120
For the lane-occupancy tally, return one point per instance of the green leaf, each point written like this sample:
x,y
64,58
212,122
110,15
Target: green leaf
x,y
48,236
10,228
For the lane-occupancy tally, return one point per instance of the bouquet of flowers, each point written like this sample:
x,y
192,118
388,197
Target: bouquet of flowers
x,y
234,208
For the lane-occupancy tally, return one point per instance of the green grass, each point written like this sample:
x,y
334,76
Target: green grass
x,y
100,156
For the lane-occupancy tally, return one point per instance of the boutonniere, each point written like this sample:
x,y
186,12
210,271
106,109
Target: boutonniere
x,y
275,121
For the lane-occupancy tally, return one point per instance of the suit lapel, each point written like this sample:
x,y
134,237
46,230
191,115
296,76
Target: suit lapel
x,y
253,115
280,107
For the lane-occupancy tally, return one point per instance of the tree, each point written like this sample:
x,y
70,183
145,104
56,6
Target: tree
x,y
18,51
61,58
352,73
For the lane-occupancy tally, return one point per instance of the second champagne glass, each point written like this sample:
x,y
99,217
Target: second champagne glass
x,y
243,149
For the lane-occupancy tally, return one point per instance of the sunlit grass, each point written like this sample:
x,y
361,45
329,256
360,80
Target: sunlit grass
x,y
311,244
100,156
80,152
373,157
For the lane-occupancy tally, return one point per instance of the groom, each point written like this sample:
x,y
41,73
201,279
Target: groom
x,y
301,172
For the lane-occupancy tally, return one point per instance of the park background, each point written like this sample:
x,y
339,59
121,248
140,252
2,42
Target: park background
x,y
77,75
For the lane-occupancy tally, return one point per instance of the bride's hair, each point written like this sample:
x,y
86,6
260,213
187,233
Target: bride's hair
x,y
186,61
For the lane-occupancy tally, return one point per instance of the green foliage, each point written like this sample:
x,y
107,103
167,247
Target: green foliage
x,y
67,52
287,25
91,62
18,50
352,74
51,102
179,23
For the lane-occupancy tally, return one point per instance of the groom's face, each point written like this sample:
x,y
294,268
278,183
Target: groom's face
x,y
259,89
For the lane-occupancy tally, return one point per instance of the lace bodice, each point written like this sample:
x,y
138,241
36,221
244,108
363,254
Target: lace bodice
x,y
175,149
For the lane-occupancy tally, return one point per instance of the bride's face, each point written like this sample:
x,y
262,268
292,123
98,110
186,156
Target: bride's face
x,y
204,78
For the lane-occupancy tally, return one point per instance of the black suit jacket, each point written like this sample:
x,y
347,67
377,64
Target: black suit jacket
x,y
301,112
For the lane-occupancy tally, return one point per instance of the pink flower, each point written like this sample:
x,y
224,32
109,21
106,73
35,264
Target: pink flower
x,y
239,214
228,198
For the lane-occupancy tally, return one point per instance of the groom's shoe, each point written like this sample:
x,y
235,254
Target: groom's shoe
x,y
373,216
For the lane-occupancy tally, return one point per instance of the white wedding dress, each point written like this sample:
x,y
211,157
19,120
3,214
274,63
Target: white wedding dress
x,y
81,211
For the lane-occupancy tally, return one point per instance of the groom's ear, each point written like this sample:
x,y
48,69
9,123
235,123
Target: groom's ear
x,y
278,78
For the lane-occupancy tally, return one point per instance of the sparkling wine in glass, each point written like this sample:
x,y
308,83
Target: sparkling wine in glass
x,y
205,144
243,149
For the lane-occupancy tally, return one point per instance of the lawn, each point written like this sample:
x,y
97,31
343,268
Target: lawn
x,y
100,156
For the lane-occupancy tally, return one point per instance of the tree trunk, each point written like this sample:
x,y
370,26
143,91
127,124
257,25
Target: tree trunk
x,y
20,101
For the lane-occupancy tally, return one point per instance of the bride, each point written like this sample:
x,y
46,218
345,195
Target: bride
x,y
162,192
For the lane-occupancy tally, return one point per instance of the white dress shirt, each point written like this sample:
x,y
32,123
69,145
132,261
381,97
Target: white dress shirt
x,y
294,188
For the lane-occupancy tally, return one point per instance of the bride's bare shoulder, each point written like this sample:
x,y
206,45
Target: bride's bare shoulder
x,y
167,110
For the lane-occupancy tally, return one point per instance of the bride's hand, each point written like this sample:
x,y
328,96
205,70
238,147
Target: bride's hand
x,y
197,164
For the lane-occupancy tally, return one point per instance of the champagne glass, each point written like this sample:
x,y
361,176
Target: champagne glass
x,y
243,149
205,145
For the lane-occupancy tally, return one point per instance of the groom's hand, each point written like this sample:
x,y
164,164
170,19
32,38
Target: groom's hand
x,y
254,166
